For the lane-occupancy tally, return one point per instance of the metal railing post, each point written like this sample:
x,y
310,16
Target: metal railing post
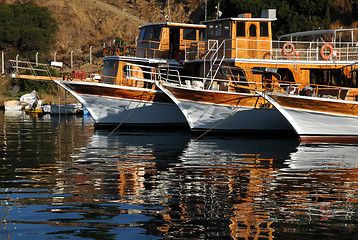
x,y
37,58
2,63
17,63
91,54
71,59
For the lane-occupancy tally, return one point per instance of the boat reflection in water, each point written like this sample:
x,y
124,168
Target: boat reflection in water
x,y
195,189
319,187
167,185
176,187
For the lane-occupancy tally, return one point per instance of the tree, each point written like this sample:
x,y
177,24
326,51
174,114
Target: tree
x,y
292,15
26,27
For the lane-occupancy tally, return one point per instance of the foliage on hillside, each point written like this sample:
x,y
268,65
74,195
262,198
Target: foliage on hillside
x,y
83,23
26,27
293,15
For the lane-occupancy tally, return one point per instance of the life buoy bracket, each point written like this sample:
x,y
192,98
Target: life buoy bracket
x,y
323,51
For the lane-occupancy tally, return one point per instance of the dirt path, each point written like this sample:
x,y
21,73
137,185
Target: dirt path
x,y
116,10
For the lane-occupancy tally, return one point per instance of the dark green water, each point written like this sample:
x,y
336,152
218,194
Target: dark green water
x,y
62,179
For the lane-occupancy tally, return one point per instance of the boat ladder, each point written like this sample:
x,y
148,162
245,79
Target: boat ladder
x,y
212,57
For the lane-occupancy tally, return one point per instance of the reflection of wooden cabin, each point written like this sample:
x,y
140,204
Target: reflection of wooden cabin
x,y
243,185
167,40
244,37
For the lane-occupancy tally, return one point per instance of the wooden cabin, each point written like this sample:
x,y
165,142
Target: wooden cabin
x,y
165,40
242,37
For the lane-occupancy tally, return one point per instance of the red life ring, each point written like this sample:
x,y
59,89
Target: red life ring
x,y
323,49
288,53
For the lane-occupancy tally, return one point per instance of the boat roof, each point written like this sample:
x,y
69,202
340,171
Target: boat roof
x,y
317,32
172,24
242,20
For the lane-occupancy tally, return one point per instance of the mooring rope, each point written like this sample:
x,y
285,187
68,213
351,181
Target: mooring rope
x,y
217,124
141,100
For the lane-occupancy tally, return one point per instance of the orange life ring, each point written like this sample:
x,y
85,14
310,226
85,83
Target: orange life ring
x,y
105,52
292,47
323,49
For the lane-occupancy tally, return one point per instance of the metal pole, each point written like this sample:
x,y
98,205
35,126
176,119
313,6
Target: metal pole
x,y
17,63
54,56
217,12
90,54
206,10
2,63
71,59
37,58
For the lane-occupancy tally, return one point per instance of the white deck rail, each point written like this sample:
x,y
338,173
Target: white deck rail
x,y
278,50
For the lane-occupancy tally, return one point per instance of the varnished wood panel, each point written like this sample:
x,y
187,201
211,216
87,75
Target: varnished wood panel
x,y
218,97
152,95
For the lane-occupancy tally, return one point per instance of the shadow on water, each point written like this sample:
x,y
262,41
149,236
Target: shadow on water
x,y
63,179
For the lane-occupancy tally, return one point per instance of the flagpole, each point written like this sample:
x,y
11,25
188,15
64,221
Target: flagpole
x,y
217,13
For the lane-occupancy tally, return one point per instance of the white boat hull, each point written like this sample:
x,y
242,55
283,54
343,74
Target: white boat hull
x,y
226,112
109,110
315,118
323,124
129,106
13,105
65,109
223,118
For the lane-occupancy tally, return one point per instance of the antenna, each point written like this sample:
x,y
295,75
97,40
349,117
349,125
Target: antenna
x,y
206,10
218,13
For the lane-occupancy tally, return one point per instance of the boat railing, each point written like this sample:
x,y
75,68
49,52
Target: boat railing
x,y
223,84
137,48
315,90
30,68
278,50
196,50
171,76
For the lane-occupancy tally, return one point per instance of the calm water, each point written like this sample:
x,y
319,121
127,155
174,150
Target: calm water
x,y
62,179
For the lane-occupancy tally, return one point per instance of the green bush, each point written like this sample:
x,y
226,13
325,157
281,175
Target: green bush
x,y
26,86
27,27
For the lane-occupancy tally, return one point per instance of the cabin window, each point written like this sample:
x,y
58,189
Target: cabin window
x,y
218,28
264,29
150,33
156,33
141,35
240,29
201,34
110,69
226,29
189,34
252,30
210,30
147,33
